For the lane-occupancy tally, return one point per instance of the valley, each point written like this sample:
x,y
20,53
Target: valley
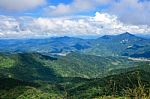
x,y
74,49
72,68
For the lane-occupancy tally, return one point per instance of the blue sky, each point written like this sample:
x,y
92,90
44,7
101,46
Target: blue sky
x,y
39,10
42,18
56,2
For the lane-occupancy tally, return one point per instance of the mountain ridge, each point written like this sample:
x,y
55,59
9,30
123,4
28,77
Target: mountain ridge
x,y
125,44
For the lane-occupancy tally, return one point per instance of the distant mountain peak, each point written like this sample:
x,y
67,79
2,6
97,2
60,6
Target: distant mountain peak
x,y
126,34
106,37
65,37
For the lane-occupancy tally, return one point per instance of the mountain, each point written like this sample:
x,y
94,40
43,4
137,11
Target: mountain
x,y
118,37
74,76
109,67
48,45
125,44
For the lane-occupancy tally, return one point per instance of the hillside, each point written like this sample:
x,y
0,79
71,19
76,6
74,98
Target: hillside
x,y
73,76
88,66
34,66
17,89
129,84
134,83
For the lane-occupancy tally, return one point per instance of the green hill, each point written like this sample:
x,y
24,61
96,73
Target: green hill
x,y
128,84
18,89
75,76
34,66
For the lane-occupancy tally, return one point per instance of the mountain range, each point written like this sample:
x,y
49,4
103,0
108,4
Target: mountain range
x,y
108,67
125,44
74,76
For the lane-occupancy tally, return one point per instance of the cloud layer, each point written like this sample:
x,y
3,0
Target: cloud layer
x,y
116,17
135,12
100,24
129,11
20,5
76,6
132,11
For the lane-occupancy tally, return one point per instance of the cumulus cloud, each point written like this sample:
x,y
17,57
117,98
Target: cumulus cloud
x,y
75,7
100,24
20,5
135,12
132,11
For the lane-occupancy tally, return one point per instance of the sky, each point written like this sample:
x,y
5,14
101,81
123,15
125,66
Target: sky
x,y
48,18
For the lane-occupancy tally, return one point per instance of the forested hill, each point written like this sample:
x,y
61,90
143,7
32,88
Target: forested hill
x,y
74,76
34,66
125,44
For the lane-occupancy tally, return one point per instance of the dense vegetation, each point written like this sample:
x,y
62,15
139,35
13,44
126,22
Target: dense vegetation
x,y
34,66
75,76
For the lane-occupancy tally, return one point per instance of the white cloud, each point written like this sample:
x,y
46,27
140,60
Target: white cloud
x,y
8,23
132,11
128,11
105,18
20,5
100,24
75,7
135,12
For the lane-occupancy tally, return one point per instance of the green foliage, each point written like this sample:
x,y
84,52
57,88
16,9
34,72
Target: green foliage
x,y
26,92
87,66
6,62
75,76
115,86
